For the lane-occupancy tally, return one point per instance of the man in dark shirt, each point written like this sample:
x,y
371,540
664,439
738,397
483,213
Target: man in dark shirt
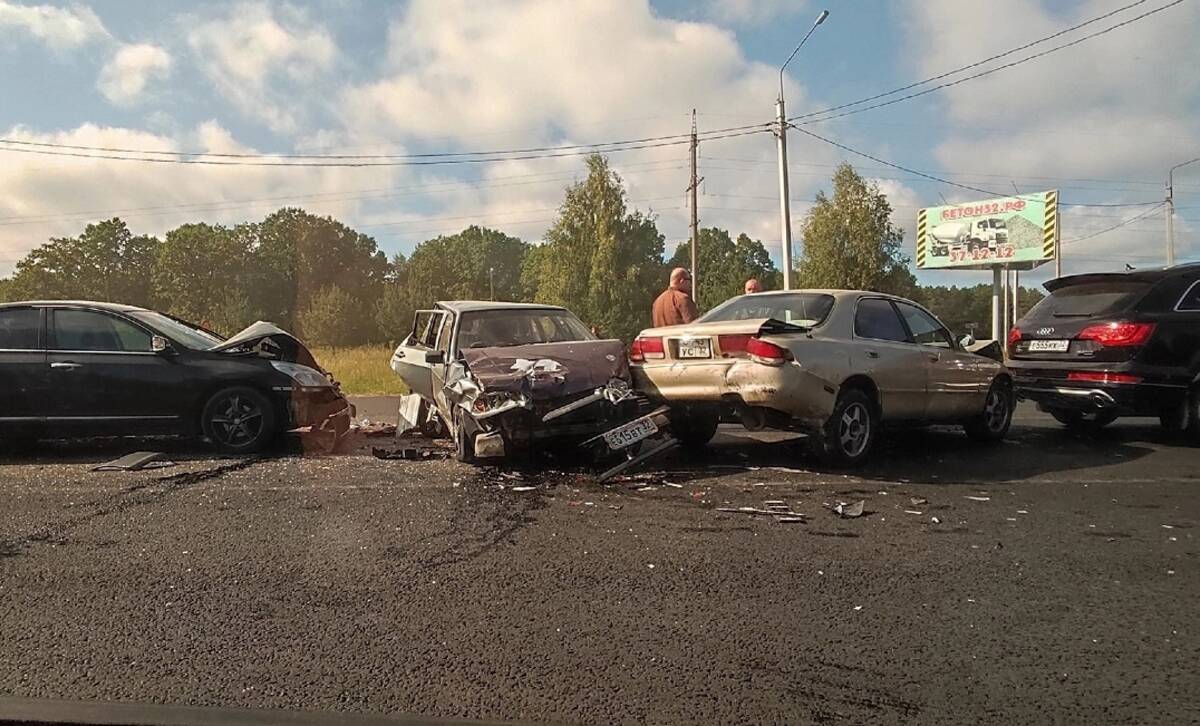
x,y
675,305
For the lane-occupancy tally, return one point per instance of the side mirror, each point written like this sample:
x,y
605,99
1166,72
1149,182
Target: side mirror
x,y
967,341
161,345
435,357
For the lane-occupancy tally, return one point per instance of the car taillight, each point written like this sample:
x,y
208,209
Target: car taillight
x,y
733,343
1102,377
1114,335
762,351
646,348
1014,336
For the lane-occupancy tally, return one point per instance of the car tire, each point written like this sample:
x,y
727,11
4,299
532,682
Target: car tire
x,y
993,423
1192,427
694,428
1085,422
464,440
847,438
239,420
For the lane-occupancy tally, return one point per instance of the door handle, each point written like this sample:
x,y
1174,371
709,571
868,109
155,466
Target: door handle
x,y
66,366
872,354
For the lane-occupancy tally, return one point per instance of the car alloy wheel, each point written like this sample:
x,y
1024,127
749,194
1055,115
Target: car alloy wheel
x,y
854,430
996,410
238,421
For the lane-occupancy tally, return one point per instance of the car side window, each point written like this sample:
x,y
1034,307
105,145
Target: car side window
x,y
1190,302
19,328
926,330
876,319
88,330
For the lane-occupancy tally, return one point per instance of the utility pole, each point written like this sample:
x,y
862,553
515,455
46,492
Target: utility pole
x,y
785,212
1171,209
695,214
492,282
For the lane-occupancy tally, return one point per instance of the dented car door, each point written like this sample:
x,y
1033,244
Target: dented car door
x,y
414,358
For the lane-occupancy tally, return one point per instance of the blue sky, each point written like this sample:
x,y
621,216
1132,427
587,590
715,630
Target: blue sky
x,y
1101,121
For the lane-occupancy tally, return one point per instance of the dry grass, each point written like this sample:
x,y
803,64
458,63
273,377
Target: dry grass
x,y
362,370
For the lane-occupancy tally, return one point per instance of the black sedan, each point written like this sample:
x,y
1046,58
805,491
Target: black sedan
x,y
88,368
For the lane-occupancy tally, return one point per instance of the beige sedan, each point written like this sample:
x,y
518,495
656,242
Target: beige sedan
x,y
836,364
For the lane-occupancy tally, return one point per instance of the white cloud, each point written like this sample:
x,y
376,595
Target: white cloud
x,y
60,28
750,12
266,60
124,78
43,197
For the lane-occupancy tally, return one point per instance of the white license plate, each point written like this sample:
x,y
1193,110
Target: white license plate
x,y
1049,346
695,348
630,433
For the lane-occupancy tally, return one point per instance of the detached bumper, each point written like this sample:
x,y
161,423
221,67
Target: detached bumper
x,y
321,408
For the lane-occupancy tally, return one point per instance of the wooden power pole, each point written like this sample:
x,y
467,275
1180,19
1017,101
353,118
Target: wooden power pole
x,y
695,214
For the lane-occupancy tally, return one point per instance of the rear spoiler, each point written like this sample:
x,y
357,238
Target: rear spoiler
x,y
772,326
1059,283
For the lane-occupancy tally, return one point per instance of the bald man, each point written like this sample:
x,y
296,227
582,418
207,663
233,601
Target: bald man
x,y
675,305
752,286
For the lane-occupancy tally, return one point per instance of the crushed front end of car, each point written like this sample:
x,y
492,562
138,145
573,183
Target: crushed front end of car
x,y
310,397
539,396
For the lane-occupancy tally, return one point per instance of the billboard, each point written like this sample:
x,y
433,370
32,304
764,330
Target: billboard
x,y
1020,232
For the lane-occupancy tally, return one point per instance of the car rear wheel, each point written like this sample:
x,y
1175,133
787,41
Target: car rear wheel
x,y
239,420
1080,421
994,421
1192,425
848,436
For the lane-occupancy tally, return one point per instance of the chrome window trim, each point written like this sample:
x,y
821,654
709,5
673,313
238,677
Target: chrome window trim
x,y
1183,297
22,350
854,323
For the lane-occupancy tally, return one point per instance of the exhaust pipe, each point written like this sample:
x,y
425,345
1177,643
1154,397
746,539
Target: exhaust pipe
x,y
752,418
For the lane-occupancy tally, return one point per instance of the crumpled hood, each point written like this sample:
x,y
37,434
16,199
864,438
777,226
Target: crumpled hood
x,y
268,340
548,370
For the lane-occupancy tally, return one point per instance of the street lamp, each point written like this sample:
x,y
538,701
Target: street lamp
x,y
1171,209
785,211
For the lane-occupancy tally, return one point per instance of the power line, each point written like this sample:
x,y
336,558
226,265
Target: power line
x,y
981,74
1131,220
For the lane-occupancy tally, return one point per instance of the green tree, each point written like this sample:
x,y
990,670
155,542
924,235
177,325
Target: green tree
x,y
850,241
301,254
725,265
107,263
969,309
329,318
599,259
7,294
205,273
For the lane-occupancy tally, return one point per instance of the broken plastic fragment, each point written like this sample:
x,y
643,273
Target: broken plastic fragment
x,y
850,511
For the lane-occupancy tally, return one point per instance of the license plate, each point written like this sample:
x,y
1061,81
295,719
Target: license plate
x,y
630,433
1049,346
695,348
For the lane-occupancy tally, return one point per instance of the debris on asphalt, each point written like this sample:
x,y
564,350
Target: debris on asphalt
x,y
407,453
912,511
779,512
136,461
526,489
918,501
409,412
850,511
935,520
977,499
1022,511
376,428
1168,526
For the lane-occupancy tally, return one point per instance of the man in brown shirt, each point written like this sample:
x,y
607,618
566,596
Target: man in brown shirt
x,y
675,305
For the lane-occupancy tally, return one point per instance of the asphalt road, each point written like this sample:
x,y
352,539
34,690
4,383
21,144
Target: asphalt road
x,y
1049,579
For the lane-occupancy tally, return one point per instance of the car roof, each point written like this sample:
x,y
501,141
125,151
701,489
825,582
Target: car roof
x,y
837,293
1149,274
466,306
109,306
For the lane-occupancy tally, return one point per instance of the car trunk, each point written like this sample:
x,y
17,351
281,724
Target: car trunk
x,y
1086,320
707,341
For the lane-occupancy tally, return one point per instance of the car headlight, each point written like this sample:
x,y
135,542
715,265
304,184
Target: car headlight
x,y
302,375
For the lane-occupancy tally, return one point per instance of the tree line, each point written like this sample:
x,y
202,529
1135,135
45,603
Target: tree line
x,y
334,286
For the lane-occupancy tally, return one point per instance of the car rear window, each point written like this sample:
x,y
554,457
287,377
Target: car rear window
x,y
804,308
1091,299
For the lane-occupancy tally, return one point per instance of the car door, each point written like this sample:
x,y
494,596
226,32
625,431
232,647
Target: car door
x,y
103,373
22,366
412,359
884,352
438,371
957,382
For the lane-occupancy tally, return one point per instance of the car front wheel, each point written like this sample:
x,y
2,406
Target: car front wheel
x,y
848,436
994,421
239,420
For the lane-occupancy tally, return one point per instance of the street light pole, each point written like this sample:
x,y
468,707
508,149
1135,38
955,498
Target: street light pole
x,y
1171,210
785,212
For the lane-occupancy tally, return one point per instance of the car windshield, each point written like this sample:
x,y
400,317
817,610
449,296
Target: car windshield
x,y
189,336
807,309
489,328
1090,299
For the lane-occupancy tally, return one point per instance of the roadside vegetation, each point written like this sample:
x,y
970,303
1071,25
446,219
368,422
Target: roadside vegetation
x,y
362,369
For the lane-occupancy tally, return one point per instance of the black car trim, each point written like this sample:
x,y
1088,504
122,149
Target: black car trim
x,y
101,352
1184,296
22,418
110,418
